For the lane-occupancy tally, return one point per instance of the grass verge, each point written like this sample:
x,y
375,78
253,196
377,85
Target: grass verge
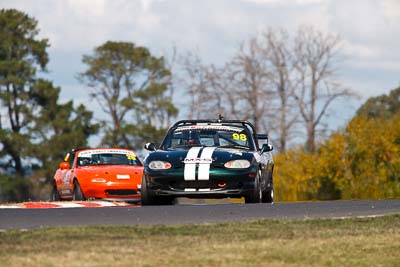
x,y
340,242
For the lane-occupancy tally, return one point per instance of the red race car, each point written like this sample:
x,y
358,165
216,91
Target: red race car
x,y
99,173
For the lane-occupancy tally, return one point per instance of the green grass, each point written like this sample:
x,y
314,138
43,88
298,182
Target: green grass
x,y
341,242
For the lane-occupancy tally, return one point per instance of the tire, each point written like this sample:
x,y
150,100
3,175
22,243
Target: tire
x,y
149,199
256,195
55,195
268,195
78,195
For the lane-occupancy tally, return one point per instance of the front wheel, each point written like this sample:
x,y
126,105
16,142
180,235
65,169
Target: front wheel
x,y
78,195
148,198
256,195
268,196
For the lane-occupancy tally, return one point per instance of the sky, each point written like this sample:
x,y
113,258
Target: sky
x,y
369,30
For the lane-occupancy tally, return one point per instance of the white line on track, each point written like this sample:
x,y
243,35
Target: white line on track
x,y
65,204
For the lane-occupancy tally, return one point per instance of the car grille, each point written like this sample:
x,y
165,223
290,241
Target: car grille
x,y
121,192
195,184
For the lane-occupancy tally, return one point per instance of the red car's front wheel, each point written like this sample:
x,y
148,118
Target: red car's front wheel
x,y
78,195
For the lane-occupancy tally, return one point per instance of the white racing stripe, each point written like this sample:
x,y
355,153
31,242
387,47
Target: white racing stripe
x,y
190,168
204,169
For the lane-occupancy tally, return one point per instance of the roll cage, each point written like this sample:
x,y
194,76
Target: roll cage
x,y
232,123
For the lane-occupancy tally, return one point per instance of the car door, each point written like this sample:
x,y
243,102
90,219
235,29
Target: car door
x,y
269,164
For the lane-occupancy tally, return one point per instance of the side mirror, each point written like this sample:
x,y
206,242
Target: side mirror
x,y
64,165
266,148
150,146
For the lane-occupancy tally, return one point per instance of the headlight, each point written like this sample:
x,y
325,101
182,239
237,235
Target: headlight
x,y
159,165
237,164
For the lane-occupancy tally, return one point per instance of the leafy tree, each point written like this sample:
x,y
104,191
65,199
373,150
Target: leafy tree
x,y
132,87
13,190
360,162
21,55
384,106
57,128
34,127
293,172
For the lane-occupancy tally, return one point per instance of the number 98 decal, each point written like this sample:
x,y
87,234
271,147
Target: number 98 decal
x,y
241,137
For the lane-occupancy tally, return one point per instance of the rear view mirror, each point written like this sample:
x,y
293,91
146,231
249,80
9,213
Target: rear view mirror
x,y
64,165
150,146
266,148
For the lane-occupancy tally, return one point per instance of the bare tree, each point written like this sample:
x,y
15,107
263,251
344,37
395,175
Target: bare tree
x,y
251,84
315,54
278,56
254,85
238,90
197,85
221,83
275,81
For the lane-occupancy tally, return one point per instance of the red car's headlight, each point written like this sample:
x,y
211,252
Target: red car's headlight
x,y
159,165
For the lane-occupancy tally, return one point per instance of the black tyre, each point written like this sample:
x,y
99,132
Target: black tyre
x,y
256,195
268,195
78,195
55,195
148,198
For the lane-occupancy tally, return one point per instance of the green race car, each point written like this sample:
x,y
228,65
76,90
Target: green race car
x,y
209,159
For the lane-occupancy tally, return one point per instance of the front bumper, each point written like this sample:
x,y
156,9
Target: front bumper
x,y
221,183
112,191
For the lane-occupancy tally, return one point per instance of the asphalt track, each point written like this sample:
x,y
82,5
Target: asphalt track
x,y
27,218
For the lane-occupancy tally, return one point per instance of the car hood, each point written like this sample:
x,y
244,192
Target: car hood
x,y
217,154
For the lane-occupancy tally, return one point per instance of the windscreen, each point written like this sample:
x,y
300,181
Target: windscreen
x,y
209,135
107,157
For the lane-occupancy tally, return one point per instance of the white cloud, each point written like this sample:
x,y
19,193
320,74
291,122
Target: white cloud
x,y
149,21
285,2
391,10
88,9
369,30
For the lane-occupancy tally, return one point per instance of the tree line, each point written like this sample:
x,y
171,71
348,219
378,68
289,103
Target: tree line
x,y
283,84
131,86
361,161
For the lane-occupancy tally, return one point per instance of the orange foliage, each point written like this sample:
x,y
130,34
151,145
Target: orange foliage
x,y
361,162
